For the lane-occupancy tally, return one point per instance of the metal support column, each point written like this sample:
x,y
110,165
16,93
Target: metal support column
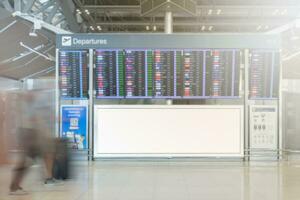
x,y
246,107
91,106
168,22
280,126
57,99
169,30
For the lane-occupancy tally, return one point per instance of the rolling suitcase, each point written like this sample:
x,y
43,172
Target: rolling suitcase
x,y
61,161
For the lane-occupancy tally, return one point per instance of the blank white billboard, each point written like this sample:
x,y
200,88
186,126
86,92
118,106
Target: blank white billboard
x,y
168,130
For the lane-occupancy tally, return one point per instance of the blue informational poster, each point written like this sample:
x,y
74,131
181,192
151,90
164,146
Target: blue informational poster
x,y
74,125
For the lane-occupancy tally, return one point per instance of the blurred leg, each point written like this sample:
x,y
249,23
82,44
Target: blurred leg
x,y
18,174
49,159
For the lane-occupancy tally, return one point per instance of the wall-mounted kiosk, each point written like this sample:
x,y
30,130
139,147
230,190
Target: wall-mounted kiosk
x,y
177,95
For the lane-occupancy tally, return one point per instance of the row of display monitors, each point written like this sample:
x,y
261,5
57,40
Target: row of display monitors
x,y
165,73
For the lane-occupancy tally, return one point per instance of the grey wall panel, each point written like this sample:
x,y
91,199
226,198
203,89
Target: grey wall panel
x,y
291,119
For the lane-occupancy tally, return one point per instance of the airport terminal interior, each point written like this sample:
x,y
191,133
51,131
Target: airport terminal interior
x,y
149,99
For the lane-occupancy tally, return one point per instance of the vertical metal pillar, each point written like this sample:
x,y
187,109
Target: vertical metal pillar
x,y
280,131
168,22
91,106
169,30
246,107
281,146
57,99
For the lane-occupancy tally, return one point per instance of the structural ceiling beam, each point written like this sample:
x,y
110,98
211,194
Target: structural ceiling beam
x,y
52,13
28,6
68,9
7,6
44,7
18,5
195,23
45,25
137,8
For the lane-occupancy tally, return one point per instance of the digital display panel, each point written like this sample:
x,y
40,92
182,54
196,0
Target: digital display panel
x,y
190,73
135,72
264,74
165,73
73,74
222,73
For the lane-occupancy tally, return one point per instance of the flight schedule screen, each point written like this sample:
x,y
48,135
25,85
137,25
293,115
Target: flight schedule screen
x,y
165,73
222,73
135,72
106,73
264,74
189,73
73,74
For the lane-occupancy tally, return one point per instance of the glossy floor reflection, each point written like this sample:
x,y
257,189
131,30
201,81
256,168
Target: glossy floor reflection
x,y
162,180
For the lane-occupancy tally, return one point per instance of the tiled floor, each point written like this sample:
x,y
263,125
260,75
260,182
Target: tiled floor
x,y
165,180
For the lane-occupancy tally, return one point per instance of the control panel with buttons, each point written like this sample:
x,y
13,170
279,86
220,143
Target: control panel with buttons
x,y
263,127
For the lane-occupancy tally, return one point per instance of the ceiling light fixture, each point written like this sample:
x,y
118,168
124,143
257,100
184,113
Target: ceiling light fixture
x,y
210,11
154,28
78,11
219,11
147,28
210,28
99,28
203,28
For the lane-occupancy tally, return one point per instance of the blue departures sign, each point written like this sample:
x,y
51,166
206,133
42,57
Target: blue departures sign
x,y
74,125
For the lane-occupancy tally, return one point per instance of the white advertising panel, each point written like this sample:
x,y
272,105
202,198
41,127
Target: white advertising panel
x,y
168,130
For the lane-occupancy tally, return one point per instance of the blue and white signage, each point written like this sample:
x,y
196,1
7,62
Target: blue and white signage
x,y
74,125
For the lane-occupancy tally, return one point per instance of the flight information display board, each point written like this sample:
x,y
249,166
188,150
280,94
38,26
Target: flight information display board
x,y
264,74
191,80
135,72
162,73
190,70
222,73
73,74
106,73
208,73
165,73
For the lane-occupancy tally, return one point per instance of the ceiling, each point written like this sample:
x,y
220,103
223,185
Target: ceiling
x,y
211,16
105,16
17,62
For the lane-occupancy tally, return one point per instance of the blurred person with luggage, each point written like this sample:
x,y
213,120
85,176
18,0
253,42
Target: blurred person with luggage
x,y
35,139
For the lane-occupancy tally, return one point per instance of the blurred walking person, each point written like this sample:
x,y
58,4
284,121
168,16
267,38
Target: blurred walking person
x,y
34,138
